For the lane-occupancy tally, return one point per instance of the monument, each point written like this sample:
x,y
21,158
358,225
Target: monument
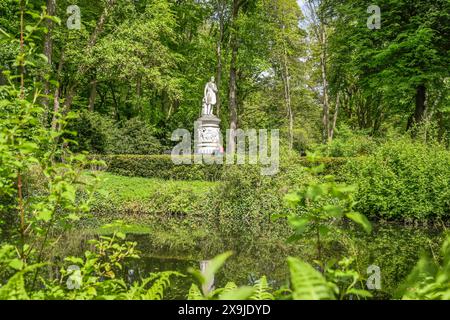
x,y
207,129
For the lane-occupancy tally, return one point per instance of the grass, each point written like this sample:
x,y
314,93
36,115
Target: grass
x,y
137,188
122,197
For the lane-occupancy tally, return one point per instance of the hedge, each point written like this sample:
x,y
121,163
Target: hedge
x,y
158,166
162,167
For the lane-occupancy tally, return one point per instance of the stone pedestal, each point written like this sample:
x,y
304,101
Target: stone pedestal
x,y
208,139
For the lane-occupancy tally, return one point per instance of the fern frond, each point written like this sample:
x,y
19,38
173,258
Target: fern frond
x,y
195,293
230,286
307,282
262,290
156,291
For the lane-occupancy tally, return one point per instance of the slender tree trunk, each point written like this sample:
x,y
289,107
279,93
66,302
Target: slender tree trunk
x,y
221,6
420,103
22,97
48,52
323,66
288,97
139,92
232,103
56,104
419,112
93,94
336,111
116,104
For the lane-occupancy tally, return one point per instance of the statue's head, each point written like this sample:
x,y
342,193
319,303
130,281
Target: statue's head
x,y
213,79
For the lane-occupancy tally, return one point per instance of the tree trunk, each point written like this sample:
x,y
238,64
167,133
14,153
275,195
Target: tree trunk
x,y
420,104
221,5
288,97
232,103
92,95
116,103
57,91
419,112
139,93
48,51
333,126
326,108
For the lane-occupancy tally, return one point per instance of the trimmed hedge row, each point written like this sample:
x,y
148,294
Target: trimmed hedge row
x,y
162,167
158,166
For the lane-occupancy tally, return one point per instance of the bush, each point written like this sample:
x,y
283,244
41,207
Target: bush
x,y
403,179
94,132
98,134
134,136
348,144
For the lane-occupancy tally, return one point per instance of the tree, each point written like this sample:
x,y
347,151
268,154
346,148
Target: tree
x,y
395,68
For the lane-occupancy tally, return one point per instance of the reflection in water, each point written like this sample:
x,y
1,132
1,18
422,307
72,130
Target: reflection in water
x,y
394,248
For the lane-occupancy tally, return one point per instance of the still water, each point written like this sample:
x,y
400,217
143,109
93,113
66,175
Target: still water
x,y
394,248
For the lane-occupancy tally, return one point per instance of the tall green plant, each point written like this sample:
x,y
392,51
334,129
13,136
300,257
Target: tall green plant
x,y
28,148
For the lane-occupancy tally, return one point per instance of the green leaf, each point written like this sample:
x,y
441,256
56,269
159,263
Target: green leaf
x,y
242,293
29,28
16,264
360,293
195,293
292,199
44,215
214,265
262,290
298,223
361,220
333,211
120,235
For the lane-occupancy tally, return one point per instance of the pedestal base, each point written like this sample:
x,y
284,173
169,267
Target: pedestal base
x,y
208,138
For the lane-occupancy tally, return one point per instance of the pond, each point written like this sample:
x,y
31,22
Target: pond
x,y
394,248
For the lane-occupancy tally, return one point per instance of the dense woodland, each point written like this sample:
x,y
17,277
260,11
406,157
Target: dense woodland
x,y
91,91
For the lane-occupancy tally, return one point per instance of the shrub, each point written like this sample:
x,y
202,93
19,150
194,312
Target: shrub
x,y
403,179
134,136
348,144
94,132
98,134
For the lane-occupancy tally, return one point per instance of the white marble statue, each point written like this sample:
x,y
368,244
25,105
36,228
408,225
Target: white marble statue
x,y
210,98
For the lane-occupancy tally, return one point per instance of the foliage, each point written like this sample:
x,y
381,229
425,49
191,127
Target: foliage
x,y
125,196
403,179
320,207
97,134
134,137
100,275
307,282
229,292
381,73
429,280
162,167
135,71
159,166
348,144
26,146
